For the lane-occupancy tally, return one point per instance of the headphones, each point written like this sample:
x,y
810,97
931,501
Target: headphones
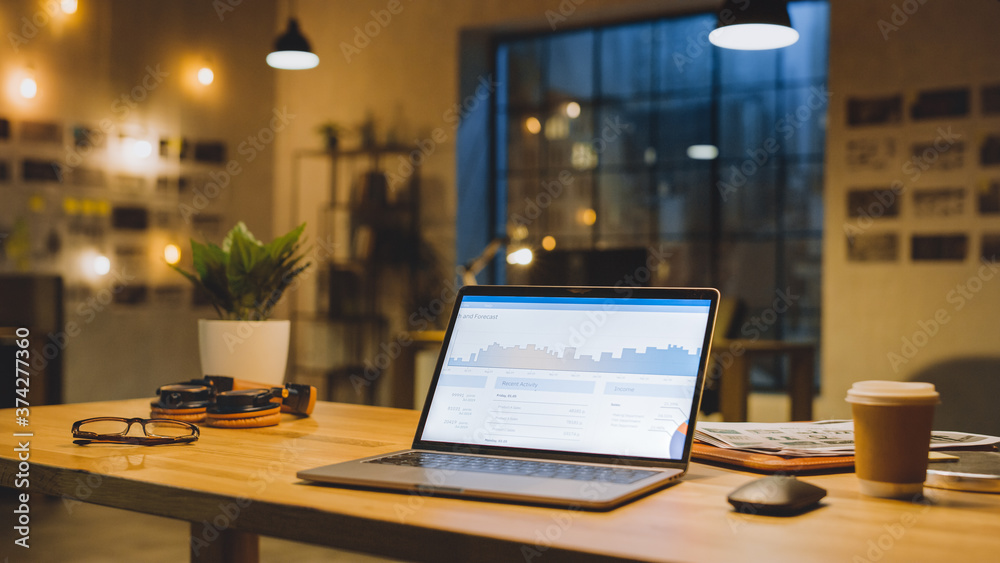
x,y
226,402
295,398
245,408
182,401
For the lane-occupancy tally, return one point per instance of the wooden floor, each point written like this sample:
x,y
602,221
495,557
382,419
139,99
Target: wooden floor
x,y
88,533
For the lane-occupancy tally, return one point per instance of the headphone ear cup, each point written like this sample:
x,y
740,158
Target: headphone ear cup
x,y
183,415
301,399
244,408
255,419
181,401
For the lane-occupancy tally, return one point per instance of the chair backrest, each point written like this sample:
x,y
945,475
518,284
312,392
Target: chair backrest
x,y
725,319
969,388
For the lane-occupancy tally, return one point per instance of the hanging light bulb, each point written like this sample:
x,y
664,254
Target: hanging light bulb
x,y
292,50
754,26
68,6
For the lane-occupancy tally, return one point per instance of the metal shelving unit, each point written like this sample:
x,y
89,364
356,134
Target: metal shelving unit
x,y
371,214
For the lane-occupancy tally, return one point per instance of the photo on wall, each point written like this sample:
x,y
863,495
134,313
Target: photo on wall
x,y
873,203
89,177
939,248
990,247
42,132
989,153
873,247
991,99
210,152
935,104
988,197
939,202
870,154
927,156
39,170
874,111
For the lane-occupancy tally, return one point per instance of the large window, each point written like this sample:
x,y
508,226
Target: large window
x,y
642,142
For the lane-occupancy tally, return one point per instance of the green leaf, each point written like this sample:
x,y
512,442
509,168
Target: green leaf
x,y
279,289
241,231
243,279
246,261
284,246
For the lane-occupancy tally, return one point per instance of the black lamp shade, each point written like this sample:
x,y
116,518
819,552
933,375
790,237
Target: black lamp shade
x,y
292,50
737,12
754,25
292,40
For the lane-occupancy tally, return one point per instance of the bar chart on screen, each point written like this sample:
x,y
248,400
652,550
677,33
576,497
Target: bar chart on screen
x,y
652,361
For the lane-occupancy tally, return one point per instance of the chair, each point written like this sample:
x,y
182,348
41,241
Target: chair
x,y
969,388
730,366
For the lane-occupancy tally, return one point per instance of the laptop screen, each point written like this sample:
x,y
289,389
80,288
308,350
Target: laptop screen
x,y
590,375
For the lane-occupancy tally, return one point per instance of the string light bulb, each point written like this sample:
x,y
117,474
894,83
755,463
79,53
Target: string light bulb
x,y
521,257
102,265
172,254
205,75
533,125
138,148
28,87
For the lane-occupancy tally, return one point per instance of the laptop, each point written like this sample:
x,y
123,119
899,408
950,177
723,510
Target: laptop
x,y
581,397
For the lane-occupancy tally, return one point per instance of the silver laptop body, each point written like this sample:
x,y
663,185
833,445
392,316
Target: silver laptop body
x,y
580,397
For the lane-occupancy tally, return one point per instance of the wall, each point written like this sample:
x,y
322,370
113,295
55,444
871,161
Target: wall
x,y
879,318
128,68
406,72
402,68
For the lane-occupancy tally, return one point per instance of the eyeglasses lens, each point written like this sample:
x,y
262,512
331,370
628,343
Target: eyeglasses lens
x,y
167,429
105,427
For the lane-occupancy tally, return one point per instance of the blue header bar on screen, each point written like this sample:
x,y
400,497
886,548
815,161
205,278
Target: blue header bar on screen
x,y
587,304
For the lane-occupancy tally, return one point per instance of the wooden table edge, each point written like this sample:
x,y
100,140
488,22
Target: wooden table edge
x,y
342,531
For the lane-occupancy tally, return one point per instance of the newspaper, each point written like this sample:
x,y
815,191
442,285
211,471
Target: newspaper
x,y
807,439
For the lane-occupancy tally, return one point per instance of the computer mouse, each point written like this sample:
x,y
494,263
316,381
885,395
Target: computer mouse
x,y
776,495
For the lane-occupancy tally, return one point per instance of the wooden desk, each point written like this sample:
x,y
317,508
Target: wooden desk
x,y
254,470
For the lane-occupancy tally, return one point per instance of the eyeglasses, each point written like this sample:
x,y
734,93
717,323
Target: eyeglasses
x,y
114,429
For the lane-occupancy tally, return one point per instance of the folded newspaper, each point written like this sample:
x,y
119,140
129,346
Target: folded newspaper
x,y
807,439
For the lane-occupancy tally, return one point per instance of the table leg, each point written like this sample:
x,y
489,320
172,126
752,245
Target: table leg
x,y
231,546
735,389
800,383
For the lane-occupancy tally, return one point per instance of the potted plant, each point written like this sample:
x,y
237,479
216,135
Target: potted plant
x,y
244,279
331,135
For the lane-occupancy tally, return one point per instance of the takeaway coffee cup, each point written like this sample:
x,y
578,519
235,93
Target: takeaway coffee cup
x,y
892,434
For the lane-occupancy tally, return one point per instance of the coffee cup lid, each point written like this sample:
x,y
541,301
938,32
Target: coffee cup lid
x,y
878,392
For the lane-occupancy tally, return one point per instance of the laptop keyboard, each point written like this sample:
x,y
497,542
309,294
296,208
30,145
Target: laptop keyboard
x,y
506,466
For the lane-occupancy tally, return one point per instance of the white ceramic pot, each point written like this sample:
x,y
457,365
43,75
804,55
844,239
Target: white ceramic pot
x,y
252,350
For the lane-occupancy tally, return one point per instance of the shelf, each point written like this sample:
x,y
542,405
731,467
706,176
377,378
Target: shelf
x,y
362,288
